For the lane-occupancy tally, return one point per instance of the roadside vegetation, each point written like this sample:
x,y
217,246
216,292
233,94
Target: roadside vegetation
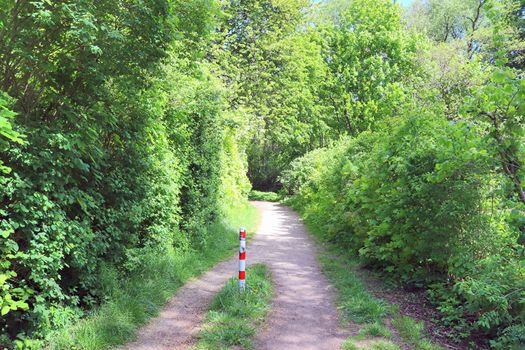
x,y
130,303
425,186
235,317
265,196
128,127
380,324
118,162
430,212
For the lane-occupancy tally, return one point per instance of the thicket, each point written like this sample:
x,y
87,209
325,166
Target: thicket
x,y
116,144
130,302
425,183
425,204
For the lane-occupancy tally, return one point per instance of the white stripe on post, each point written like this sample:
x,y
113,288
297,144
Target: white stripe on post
x,y
242,259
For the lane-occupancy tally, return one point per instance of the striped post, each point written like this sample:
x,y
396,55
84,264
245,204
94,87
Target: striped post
x,y
242,259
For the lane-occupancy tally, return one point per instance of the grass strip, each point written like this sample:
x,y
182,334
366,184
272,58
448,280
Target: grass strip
x,y
130,303
377,344
357,305
234,317
413,332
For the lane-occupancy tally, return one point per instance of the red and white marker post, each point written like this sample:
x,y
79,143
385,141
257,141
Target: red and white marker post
x,y
242,259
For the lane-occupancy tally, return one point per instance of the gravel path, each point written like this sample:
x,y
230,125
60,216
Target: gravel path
x,y
303,315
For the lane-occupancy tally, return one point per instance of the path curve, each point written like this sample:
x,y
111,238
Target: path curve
x,y
303,315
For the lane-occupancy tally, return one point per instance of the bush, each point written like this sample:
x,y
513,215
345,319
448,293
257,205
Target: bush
x,y
264,196
425,204
125,155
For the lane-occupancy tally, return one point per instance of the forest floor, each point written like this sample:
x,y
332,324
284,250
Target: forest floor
x,y
303,313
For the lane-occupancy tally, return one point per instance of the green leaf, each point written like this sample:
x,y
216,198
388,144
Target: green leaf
x,y
5,310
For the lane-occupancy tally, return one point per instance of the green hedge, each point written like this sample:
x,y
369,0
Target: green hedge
x,y
126,149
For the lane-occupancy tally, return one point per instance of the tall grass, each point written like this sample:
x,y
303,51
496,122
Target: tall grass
x,y
130,303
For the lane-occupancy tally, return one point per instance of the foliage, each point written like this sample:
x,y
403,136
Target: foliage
x,y
399,133
127,151
426,204
130,303
498,107
467,25
234,316
272,72
12,298
302,84
6,129
432,194
264,196
357,304
369,57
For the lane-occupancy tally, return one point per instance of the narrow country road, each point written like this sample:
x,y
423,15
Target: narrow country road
x,y
303,315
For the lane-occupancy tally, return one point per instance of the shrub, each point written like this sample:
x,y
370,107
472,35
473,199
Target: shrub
x,y
126,149
423,202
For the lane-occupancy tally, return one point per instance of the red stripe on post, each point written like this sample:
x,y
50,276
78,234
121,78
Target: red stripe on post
x,y
242,258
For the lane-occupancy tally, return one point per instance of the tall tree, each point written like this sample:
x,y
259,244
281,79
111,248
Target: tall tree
x,y
369,56
272,66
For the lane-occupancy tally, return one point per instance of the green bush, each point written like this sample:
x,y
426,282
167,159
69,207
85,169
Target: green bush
x,y
264,196
425,204
131,302
127,151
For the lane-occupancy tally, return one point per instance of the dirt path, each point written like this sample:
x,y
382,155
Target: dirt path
x,y
303,316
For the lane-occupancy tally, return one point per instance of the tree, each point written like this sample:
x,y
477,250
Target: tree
x,y
124,154
466,25
499,106
271,63
369,56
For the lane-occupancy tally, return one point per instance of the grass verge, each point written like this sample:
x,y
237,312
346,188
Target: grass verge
x,y
234,317
381,326
132,302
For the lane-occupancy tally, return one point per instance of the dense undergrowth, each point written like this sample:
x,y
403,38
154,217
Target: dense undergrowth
x,y
424,203
127,153
265,196
377,319
425,182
